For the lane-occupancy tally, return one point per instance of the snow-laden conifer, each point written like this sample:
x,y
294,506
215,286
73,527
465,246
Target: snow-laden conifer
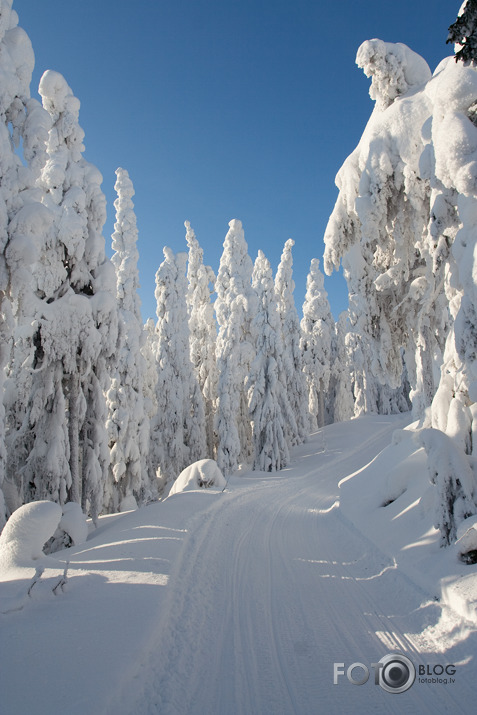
x,y
292,355
341,385
234,307
149,351
76,329
270,408
203,331
317,329
23,222
128,423
178,429
379,229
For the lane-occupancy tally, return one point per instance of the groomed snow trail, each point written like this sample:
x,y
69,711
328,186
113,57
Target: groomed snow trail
x,y
271,587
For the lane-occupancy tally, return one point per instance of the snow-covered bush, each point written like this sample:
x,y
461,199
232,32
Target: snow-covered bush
x,y
204,474
26,532
71,531
466,543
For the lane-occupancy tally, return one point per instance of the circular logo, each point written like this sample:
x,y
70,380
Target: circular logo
x,y
397,673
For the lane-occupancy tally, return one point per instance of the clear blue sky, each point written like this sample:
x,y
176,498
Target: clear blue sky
x,y
224,109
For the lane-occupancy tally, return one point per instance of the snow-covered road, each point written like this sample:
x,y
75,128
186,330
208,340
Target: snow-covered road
x,y
234,603
272,587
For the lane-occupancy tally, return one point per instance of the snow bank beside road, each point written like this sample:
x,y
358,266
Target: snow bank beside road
x,y
393,503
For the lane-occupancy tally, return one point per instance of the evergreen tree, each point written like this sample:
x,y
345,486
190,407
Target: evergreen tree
x,y
76,328
203,331
379,229
178,429
463,33
297,429
270,409
23,222
234,307
341,386
317,328
128,424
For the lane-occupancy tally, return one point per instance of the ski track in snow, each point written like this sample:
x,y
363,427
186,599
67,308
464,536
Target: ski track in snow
x,y
271,587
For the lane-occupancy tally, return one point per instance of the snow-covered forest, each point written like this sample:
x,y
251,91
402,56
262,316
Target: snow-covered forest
x,y
103,411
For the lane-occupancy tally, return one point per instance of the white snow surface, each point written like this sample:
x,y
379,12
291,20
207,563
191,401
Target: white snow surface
x,y
240,602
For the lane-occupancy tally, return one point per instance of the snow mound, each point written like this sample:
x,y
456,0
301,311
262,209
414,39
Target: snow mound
x,y
26,532
203,474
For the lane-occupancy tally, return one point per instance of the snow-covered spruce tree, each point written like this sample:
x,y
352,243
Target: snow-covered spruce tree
x,y
463,33
292,355
149,351
178,429
76,328
317,329
128,423
234,307
341,386
451,163
203,331
270,408
23,221
379,229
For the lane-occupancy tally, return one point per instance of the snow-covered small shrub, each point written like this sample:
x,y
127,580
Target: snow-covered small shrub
x,y
26,532
467,540
71,531
203,474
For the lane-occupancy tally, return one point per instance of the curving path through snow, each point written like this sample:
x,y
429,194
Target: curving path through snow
x,y
272,585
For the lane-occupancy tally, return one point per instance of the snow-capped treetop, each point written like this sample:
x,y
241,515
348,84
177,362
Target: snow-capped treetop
x,y
124,243
235,270
393,68
18,59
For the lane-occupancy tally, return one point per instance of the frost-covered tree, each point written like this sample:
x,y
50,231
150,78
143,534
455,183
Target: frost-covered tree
x,y
297,430
128,423
341,385
23,221
317,330
234,307
76,326
178,429
379,229
149,351
203,331
270,408
463,33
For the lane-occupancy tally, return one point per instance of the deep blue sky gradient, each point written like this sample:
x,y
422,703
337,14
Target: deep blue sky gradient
x,y
224,109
